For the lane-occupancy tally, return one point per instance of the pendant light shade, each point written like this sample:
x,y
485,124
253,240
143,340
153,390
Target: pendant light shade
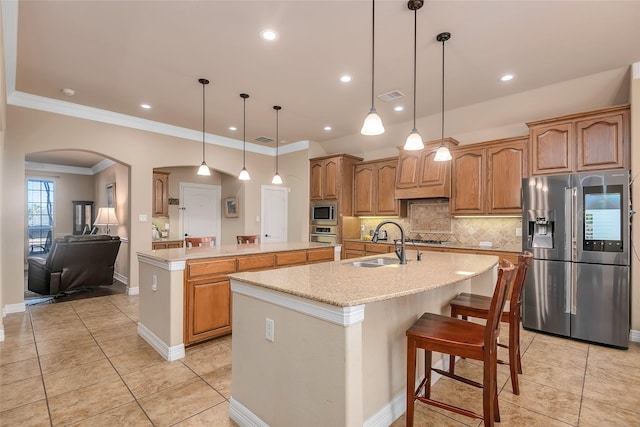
x,y
244,174
372,123
443,154
203,169
276,178
414,141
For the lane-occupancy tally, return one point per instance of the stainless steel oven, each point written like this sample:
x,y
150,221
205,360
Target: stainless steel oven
x,y
324,234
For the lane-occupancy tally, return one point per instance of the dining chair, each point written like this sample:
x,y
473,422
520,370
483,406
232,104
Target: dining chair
x,y
252,238
472,305
190,242
448,335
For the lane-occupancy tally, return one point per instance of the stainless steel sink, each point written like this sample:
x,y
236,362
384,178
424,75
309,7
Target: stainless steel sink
x,y
375,262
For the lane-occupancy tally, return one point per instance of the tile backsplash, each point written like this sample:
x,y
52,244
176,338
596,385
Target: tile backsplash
x,y
431,220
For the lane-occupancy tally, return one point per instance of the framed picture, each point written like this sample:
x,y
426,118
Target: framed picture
x,y
111,195
231,207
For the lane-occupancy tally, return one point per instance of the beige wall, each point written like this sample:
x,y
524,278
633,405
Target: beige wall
x,y
3,122
139,152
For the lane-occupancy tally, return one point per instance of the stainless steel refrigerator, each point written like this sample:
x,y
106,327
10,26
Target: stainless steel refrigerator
x,y
577,227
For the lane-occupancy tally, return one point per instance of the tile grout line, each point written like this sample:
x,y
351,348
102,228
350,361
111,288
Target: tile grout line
x,y
44,387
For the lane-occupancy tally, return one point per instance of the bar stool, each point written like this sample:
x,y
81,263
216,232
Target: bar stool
x,y
472,305
199,241
252,238
448,335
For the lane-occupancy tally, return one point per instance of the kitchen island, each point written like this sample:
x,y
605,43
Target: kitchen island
x,y
324,344
184,292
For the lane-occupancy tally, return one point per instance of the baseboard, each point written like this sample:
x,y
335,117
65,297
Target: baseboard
x,y
243,416
634,336
133,291
121,278
13,308
398,405
169,353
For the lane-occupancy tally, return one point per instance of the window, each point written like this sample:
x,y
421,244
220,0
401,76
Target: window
x,y
40,214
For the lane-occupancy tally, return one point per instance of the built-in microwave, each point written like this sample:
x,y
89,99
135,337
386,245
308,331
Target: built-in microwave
x,y
324,213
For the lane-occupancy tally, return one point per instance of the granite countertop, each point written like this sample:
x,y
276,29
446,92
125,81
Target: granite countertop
x,y
447,245
167,239
339,283
183,254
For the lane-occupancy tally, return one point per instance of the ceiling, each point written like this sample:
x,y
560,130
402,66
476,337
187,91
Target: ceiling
x,y
117,55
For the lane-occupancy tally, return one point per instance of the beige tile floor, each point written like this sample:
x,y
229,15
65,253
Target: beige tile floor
x,y
82,363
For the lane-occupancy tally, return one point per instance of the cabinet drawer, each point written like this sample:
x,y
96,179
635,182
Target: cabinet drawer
x,y
208,268
321,255
256,262
353,246
353,254
291,258
377,248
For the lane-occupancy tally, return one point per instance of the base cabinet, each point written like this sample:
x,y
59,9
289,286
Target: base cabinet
x,y
207,288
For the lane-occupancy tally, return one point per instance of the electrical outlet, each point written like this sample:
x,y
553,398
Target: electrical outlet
x,y
270,330
518,232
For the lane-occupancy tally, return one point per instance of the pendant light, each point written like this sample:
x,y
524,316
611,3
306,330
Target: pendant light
x,y
372,123
414,141
203,169
276,178
244,174
442,154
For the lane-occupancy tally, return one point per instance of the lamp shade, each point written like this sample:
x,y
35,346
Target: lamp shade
x,y
106,217
372,124
442,154
414,141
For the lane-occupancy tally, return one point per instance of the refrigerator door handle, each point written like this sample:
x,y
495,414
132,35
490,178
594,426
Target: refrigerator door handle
x,y
574,288
568,291
569,232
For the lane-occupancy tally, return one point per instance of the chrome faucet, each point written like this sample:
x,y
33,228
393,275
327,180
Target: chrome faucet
x,y
401,253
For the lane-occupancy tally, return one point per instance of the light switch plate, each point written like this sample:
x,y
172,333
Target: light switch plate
x,y
270,330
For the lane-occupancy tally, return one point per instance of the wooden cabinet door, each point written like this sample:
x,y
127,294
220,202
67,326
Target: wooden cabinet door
x,y
364,190
468,182
160,207
385,188
600,143
506,167
434,176
552,148
408,162
332,179
315,179
208,311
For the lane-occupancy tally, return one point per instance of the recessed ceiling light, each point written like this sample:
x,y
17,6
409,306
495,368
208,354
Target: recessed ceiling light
x,y
233,128
269,35
145,106
345,78
327,128
507,77
68,92
398,108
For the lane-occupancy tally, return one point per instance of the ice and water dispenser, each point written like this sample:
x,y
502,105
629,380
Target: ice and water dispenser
x,y
541,229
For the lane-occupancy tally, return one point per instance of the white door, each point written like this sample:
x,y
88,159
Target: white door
x,y
274,213
200,210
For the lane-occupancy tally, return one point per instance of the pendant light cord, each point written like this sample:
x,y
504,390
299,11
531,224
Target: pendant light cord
x,y
203,116
277,137
415,50
244,132
373,44
443,40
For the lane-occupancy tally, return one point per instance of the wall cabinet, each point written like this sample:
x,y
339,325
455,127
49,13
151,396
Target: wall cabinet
x,y
207,295
331,178
160,205
420,176
596,140
487,177
374,189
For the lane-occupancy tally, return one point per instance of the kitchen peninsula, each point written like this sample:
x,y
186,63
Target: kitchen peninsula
x,y
325,345
184,292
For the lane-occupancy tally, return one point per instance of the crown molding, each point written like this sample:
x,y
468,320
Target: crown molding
x,y
77,170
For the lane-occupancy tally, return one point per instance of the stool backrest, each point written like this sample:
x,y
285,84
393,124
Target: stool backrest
x,y
506,274
190,242
252,238
524,261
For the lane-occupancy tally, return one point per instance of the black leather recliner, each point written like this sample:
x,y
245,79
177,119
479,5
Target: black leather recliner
x,y
74,262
